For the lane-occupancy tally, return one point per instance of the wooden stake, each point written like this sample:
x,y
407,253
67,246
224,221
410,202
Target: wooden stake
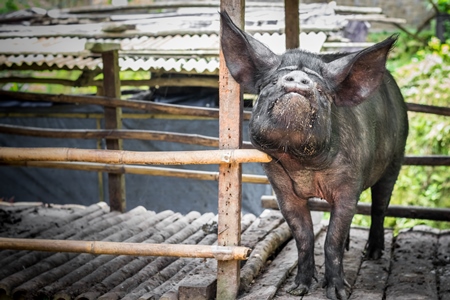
x,y
230,173
292,24
113,116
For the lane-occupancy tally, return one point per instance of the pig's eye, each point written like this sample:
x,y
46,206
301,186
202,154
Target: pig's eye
x,y
311,72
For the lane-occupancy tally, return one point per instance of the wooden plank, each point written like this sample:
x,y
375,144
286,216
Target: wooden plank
x,y
352,262
253,233
443,262
319,261
412,273
230,175
372,276
200,286
266,286
261,253
278,270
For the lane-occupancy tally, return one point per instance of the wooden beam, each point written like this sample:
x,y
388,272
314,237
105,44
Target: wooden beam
x,y
397,211
113,116
429,109
230,174
292,24
107,102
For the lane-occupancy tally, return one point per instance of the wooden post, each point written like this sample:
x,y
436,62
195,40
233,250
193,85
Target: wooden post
x,y
113,116
292,24
230,174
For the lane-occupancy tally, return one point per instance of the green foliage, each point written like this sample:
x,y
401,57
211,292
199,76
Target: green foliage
x,y
8,6
443,6
424,78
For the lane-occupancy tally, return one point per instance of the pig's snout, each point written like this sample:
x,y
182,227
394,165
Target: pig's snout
x,y
297,82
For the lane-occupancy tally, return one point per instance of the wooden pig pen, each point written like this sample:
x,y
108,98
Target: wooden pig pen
x,y
103,252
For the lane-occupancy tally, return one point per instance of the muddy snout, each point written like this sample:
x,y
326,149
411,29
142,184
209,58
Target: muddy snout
x,y
297,82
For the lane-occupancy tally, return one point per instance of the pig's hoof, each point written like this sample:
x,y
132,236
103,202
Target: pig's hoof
x,y
336,291
373,253
298,289
336,294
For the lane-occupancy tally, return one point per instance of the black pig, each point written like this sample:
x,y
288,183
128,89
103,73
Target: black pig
x,y
335,125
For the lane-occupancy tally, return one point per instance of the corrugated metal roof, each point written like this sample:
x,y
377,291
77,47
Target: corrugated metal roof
x,y
179,53
178,40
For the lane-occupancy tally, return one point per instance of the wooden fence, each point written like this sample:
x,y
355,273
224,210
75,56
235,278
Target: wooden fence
x,y
231,153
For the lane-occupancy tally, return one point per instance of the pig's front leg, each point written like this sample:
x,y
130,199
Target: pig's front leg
x,y
342,211
296,213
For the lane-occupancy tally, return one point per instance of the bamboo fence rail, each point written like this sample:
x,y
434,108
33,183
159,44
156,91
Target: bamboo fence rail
x,y
151,135
120,248
11,154
397,211
114,102
131,169
231,156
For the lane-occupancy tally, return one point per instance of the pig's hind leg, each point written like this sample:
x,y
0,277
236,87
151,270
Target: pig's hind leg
x,y
381,195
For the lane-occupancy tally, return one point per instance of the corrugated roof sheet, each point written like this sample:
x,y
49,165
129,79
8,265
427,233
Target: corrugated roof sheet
x,y
184,40
179,53
188,35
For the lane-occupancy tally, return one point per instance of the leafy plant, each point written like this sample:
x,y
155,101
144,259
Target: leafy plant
x,y
424,78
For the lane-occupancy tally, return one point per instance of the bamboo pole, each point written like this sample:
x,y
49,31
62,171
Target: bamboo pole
x,y
231,156
114,102
131,169
133,249
112,134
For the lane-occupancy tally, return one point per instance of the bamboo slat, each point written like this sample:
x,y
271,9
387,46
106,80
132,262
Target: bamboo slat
x,y
133,157
190,234
55,266
86,264
29,264
157,289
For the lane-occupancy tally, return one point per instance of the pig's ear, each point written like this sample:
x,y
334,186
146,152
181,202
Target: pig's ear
x,y
356,76
245,57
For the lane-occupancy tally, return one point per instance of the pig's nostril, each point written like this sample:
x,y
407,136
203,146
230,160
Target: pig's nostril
x,y
289,78
304,81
